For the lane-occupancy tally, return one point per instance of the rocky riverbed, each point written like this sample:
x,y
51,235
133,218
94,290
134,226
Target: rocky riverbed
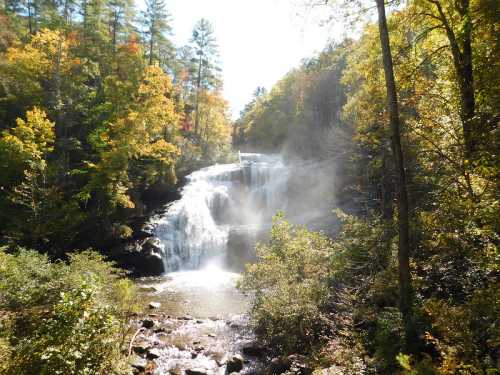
x,y
196,323
191,346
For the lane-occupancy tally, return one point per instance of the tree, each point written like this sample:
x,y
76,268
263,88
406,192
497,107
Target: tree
x,y
119,19
456,20
205,48
405,288
155,21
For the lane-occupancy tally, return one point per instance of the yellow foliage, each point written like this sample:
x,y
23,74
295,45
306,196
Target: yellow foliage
x,y
33,138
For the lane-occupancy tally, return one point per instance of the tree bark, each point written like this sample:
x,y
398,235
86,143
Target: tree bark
x,y
151,42
462,62
405,288
197,106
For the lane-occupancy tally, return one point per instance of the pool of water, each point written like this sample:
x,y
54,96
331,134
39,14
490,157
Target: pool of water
x,y
209,292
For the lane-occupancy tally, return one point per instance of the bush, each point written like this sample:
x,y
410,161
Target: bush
x,y
62,318
290,283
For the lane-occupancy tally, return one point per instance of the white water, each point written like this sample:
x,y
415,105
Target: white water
x,y
194,232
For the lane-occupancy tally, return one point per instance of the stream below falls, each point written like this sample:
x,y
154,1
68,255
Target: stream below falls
x,y
197,322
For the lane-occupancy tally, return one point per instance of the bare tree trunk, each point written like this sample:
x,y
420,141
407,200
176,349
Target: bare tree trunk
x,y
30,18
151,42
197,105
85,15
115,25
405,288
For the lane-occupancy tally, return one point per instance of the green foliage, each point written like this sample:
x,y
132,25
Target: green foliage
x,y
91,121
60,317
77,338
290,286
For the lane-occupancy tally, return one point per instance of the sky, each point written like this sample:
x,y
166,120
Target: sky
x,y
259,40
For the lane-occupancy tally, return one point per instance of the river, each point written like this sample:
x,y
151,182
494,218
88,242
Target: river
x,y
206,238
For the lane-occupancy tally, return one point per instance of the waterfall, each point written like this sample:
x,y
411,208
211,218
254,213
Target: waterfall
x,y
195,229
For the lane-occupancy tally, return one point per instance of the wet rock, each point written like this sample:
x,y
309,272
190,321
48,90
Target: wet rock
x,y
154,305
196,371
152,353
140,349
139,363
298,364
279,366
212,335
234,364
186,317
253,349
148,323
150,289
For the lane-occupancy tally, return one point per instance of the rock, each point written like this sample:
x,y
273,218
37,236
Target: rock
x,y
186,317
196,371
139,363
279,366
253,349
212,335
298,364
234,363
152,353
149,289
143,256
154,305
148,323
140,347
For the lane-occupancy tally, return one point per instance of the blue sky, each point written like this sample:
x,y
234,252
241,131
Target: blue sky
x,y
259,40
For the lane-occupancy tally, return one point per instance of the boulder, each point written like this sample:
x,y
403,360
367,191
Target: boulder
x,y
140,348
152,353
154,305
196,371
148,323
253,349
139,363
298,364
279,366
234,363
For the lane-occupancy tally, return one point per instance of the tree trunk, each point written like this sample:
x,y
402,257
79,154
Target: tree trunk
x,y
151,42
462,62
115,26
84,20
197,106
30,18
405,289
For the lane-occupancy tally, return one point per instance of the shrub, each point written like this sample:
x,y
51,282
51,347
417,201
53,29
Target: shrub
x,y
290,284
62,318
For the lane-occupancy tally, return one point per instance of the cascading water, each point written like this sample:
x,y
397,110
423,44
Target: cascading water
x,y
195,230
